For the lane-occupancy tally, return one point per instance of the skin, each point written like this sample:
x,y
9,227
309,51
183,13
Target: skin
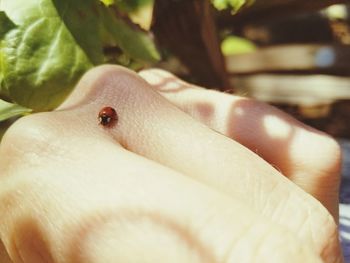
x,y
186,175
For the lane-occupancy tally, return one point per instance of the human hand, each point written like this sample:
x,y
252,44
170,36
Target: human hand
x,y
161,187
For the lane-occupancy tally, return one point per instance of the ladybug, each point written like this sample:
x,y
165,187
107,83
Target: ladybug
x,y
107,116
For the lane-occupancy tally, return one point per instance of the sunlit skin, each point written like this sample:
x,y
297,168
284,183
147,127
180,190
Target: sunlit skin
x,y
187,175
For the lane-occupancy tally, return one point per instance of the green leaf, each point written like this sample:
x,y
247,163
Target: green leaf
x,y
233,45
5,24
55,42
107,2
128,5
103,27
9,110
40,60
235,5
132,40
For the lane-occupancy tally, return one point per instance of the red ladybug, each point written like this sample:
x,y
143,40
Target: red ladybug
x,y
107,116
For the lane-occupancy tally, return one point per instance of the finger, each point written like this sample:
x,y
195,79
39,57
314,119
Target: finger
x,y
86,199
150,126
310,158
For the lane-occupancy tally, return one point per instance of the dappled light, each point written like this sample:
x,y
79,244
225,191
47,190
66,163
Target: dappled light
x,y
174,131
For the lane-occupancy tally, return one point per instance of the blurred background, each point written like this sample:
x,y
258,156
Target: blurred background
x,y
293,54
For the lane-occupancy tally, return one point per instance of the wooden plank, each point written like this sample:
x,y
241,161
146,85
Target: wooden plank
x,y
265,5
291,58
270,9
307,28
293,89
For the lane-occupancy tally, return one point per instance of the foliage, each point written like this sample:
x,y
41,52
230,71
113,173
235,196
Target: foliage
x,y
46,47
232,45
235,5
9,110
131,5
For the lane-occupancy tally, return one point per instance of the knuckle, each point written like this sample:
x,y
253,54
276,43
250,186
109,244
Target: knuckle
x,y
27,129
333,148
103,83
327,153
317,152
108,72
112,78
27,139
